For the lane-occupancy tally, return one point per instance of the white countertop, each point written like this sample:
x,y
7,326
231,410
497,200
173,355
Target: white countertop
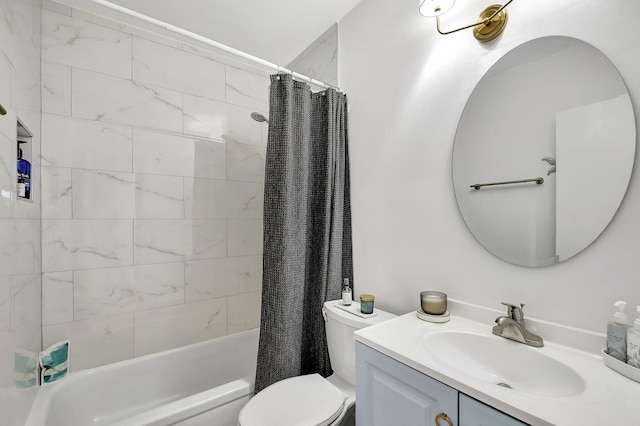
x,y
608,399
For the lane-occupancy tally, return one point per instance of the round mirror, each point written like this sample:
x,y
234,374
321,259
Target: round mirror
x,y
544,151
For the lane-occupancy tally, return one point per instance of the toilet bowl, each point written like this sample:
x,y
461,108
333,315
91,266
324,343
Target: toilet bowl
x,y
312,400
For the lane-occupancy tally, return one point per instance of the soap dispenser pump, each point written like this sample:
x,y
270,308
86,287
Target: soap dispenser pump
x,y
617,333
633,342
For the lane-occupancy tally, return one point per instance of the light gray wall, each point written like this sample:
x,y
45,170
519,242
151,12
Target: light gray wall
x,y
407,87
20,282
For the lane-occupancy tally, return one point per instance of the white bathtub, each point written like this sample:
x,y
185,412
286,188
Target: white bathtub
x,y
202,384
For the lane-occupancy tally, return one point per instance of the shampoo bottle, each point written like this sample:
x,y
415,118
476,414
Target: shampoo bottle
x,y
24,174
617,333
633,342
24,166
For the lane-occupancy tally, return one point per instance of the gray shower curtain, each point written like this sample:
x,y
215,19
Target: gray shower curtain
x,y
307,228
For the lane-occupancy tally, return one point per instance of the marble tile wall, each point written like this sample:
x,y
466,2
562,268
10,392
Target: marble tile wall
x,y
320,59
20,253
152,190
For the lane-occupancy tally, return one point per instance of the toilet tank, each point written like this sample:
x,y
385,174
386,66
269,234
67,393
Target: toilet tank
x,y
340,326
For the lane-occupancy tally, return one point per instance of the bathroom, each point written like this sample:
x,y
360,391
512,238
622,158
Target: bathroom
x,y
407,88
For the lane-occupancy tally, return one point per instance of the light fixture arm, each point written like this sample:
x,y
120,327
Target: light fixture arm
x,y
457,29
495,10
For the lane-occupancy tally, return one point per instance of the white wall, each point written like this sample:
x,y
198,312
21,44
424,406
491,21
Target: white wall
x,y
20,282
407,87
152,190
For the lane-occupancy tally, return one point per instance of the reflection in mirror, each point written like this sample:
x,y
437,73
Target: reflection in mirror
x,y
553,108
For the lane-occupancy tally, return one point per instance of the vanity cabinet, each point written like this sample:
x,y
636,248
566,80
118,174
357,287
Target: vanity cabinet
x,y
391,393
475,413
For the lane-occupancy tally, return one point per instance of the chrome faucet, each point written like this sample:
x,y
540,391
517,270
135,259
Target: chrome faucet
x,y
512,327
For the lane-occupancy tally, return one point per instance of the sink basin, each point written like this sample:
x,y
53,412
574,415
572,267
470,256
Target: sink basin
x,y
504,363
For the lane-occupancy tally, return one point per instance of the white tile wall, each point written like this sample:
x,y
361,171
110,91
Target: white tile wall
x,y
244,311
20,246
320,59
82,44
223,199
85,244
56,88
56,193
7,153
166,328
209,159
102,97
82,144
26,295
57,297
217,120
244,237
5,84
211,278
159,197
94,342
20,254
247,89
245,162
152,191
168,154
5,319
175,69
159,240
102,292
103,194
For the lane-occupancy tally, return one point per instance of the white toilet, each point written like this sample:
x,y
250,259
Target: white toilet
x,y
312,400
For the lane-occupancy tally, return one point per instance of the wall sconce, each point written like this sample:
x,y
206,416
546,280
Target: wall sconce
x,y
489,25
2,110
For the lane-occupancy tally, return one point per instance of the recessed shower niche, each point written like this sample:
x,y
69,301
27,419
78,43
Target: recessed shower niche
x,y
23,162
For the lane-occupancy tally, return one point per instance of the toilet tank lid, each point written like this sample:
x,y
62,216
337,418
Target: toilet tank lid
x,y
354,320
308,400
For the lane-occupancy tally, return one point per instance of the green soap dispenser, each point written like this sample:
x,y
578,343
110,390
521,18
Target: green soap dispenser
x,y
633,342
617,333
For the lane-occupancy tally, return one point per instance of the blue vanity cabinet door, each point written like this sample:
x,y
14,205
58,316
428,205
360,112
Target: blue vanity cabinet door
x,y
475,413
389,393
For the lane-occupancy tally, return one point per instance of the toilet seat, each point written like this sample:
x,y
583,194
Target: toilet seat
x,y
304,400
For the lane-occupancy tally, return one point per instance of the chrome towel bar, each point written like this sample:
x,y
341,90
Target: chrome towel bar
x,y
537,180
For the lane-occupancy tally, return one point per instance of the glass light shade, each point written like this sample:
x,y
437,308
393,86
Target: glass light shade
x,y
433,8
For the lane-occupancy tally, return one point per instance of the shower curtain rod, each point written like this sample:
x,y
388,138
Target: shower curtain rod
x,y
78,4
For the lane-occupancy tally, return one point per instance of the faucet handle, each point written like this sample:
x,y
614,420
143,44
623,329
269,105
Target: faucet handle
x,y
514,311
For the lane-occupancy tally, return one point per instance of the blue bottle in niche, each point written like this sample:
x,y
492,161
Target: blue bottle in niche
x,y
24,174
